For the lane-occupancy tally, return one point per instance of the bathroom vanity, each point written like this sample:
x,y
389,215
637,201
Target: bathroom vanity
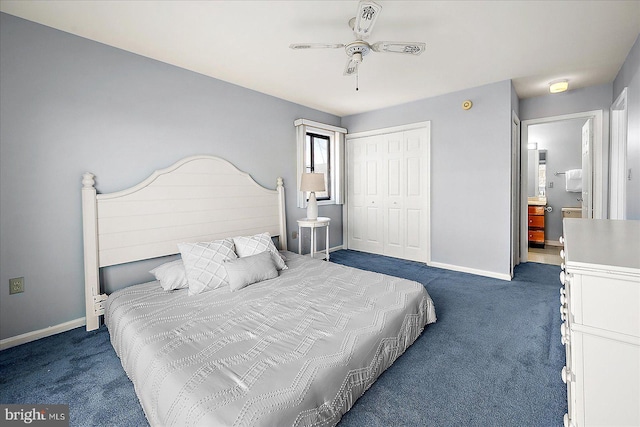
x,y
536,220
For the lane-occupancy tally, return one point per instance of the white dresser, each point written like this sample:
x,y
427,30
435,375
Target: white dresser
x,y
600,306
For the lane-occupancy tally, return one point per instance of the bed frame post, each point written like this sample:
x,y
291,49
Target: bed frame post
x,y
283,217
90,239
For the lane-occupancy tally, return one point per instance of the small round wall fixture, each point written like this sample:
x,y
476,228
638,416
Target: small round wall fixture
x,y
466,105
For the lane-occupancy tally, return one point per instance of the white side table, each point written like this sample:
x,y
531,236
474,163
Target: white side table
x,y
314,224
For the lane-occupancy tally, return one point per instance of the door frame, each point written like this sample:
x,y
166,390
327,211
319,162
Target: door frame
x,y
618,171
374,132
599,169
515,190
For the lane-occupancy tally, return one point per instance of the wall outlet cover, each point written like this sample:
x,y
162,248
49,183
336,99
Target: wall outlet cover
x,y
16,285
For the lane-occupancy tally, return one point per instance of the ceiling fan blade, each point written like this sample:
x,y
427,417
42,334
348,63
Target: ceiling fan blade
x,y
368,12
352,67
315,46
411,48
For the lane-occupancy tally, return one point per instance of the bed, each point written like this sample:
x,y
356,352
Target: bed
x,y
297,346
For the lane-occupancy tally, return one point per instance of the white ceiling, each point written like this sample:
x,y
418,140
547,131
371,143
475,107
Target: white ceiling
x,y
469,43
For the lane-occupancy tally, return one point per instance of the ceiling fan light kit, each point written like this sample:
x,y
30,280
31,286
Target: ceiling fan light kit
x,y
362,24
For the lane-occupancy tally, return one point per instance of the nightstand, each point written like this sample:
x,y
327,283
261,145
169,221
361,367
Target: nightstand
x,y
313,225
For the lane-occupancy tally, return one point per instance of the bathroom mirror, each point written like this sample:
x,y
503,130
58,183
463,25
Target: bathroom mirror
x,y
537,168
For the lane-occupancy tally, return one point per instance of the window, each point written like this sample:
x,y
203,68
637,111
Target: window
x,y
320,149
317,160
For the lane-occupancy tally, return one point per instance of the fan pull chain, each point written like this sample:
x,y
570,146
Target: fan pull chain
x,y
357,83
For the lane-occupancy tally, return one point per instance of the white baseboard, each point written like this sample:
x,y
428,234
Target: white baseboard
x,y
552,243
477,272
335,248
41,333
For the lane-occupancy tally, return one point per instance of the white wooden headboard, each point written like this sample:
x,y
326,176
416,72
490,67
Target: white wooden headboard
x,y
199,198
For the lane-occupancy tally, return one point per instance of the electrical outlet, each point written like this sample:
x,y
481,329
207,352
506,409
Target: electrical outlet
x,y
16,285
550,184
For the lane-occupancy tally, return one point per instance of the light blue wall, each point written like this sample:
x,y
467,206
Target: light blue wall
x,y
470,172
71,105
629,77
570,102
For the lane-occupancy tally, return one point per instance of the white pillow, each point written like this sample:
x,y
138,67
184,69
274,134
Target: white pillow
x,y
203,263
171,275
251,269
251,245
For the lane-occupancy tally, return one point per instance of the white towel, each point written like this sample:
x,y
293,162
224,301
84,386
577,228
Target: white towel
x,y
573,180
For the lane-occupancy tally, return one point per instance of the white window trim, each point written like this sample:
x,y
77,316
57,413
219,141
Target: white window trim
x,y
337,137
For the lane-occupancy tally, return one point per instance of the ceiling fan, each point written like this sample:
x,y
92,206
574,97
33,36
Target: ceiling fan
x,y
362,24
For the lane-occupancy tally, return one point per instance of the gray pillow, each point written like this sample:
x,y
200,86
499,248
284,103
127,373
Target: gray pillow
x,y
171,275
250,269
251,245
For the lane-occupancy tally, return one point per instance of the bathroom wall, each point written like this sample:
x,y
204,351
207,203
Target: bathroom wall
x,y
563,142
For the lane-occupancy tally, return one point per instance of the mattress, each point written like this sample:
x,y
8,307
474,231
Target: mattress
x,y
295,350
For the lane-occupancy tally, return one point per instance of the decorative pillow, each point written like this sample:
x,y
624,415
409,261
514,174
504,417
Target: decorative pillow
x,y
203,263
171,275
251,269
251,245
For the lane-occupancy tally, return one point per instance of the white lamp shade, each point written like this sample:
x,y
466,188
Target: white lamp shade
x,y
312,182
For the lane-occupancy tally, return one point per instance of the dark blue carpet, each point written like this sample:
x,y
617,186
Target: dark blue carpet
x,y
492,359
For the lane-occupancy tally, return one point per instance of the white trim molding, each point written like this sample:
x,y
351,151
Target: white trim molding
x,y
41,333
477,272
599,162
319,125
618,172
337,141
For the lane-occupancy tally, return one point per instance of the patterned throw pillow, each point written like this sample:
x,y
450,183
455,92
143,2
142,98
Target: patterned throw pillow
x,y
204,264
251,269
251,245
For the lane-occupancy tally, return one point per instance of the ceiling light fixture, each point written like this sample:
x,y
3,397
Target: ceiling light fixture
x,y
558,86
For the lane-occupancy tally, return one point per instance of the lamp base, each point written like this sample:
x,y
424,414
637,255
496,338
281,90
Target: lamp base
x,y
312,206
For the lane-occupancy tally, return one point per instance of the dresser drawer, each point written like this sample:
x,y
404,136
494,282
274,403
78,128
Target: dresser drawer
x,y
536,221
606,303
536,210
536,236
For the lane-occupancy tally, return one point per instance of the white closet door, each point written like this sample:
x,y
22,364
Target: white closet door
x,y
388,194
416,209
394,195
365,195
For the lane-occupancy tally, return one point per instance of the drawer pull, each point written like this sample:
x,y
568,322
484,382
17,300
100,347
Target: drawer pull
x,y
563,300
562,266
562,291
561,240
566,421
562,253
566,375
562,277
563,332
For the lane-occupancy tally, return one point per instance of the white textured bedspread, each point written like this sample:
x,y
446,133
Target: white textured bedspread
x,y
295,350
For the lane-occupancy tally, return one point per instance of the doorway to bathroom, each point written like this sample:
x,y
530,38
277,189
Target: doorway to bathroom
x,y
562,177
